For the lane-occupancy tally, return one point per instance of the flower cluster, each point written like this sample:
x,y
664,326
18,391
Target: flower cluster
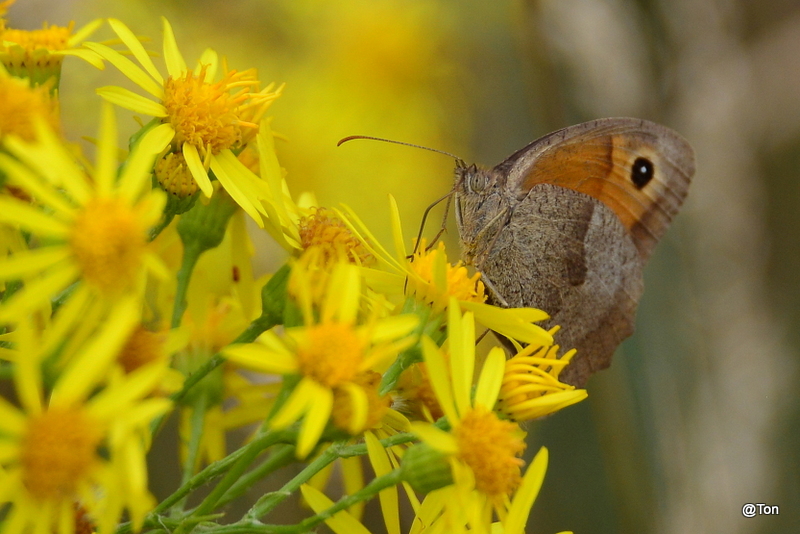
x,y
128,295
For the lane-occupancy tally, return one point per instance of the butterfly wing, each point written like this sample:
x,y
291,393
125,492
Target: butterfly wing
x,y
587,205
639,169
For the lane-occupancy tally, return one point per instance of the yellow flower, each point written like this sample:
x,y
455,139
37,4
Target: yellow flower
x,y
531,388
302,226
77,444
484,451
38,54
92,228
23,106
222,300
433,280
328,354
209,121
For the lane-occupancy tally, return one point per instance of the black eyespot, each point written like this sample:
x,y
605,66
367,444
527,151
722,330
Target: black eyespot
x,y
642,172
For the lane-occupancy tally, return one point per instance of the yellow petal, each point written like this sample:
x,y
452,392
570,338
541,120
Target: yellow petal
x,y
29,262
258,358
88,367
436,438
129,69
526,494
130,100
210,60
359,406
15,212
199,173
340,523
105,172
343,296
397,229
22,176
83,33
231,174
388,497
37,293
135,46
294,407
93,58
462,353
319,411
510,322
440,378
250,206
51,159
111,402
491,379
271,169
176,66
12,422
372,244
394,327
135,177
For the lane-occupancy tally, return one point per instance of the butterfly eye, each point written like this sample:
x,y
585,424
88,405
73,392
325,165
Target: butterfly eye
x,y
642,172
477,182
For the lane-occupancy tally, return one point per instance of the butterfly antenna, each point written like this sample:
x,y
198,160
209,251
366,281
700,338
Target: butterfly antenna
x,y
448,196
370,138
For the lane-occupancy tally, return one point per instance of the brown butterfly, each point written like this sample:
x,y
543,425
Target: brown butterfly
x,y
567,223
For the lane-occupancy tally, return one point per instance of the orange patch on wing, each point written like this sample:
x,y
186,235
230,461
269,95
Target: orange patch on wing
x,y
599,167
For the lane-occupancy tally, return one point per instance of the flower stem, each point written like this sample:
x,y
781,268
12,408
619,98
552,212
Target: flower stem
x,y
221,466
281,457
191,253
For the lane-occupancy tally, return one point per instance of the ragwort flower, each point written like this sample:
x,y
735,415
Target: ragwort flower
x,y
77,444
329,354
430,278
91,228
210,121
38,54
484,451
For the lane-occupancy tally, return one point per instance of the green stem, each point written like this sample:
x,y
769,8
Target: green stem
x,y
6,371
268,502
367,492
163,223
235,473
62,297
256,328
193,447
280,458
221,466
191,253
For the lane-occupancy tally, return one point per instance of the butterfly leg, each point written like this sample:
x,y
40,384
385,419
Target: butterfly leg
x,y
495,296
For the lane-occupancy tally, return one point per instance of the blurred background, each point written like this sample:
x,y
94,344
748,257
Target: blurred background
x,y
699,412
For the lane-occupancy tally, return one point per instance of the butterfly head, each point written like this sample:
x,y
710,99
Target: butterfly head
x,y
478,200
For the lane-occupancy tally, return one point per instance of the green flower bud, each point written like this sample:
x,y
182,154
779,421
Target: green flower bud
x,y
426,469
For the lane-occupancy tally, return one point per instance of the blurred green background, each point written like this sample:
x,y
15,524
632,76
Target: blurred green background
x,y
699,412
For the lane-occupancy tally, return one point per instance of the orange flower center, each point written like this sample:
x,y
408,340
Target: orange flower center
x,y
209,115
108,243
377,405
491,448
143,347
416,391
438,280
331,353
59,451
325,231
